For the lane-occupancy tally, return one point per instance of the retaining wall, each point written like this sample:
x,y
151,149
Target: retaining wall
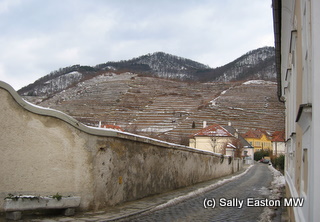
x,y
44,152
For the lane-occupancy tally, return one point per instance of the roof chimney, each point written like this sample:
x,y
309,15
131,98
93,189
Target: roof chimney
x,y
204,124
236,134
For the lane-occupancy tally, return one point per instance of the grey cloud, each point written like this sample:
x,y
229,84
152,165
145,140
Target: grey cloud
x,y
39,40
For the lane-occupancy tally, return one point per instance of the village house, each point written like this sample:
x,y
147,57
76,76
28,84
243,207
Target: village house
x,y
263,140
247,151
222,139
259,139
278,143
212,138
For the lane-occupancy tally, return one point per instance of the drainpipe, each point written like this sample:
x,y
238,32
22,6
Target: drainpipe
x,y
276,9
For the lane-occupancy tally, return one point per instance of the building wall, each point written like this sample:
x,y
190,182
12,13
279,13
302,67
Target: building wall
x,y
300,32
314,164
212,144
44,152
259,144
250,155
278,148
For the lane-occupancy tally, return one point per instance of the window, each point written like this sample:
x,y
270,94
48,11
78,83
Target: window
x,y
266,145
305,170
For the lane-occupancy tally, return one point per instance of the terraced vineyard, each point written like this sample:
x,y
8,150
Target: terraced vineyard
x,y
245,106
166,109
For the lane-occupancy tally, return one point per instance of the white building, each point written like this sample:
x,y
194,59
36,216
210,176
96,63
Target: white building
x,y
297,38
278,143
214,138
224,140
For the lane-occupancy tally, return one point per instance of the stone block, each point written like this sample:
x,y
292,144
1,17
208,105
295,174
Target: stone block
x,y
69,211
15,215
41,203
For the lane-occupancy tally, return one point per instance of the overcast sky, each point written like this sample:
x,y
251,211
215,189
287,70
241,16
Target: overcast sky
x,y
40,36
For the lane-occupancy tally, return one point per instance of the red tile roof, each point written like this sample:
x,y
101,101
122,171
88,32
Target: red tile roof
x,y
112,127
214,130
278,136
250,134
257,134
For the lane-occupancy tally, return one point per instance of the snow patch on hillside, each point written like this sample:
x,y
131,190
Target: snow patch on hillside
x,y
214,101
259,82
156,129
88,86
57,84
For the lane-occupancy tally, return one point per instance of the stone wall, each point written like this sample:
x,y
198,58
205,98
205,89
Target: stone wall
x,y
44,152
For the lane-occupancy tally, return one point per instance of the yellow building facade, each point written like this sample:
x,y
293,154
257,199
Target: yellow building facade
x,y
259,139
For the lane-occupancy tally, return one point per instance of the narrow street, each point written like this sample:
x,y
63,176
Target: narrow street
x,y
241,187
253,185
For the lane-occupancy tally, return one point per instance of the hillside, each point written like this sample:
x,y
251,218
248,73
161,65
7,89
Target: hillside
x,y
166,96
166,109
158,64
256,64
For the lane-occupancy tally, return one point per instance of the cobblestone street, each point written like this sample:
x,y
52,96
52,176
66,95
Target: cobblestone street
x,y
254,185
252,182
